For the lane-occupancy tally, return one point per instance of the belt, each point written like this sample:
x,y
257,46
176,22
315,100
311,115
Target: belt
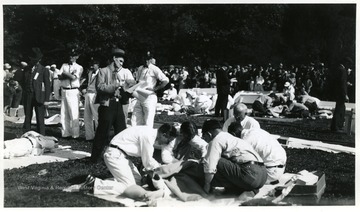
x,y
32,144
253,163
69,88
277,166
115,99
116,147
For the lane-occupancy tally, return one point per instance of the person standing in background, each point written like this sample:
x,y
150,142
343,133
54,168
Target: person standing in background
x,y
152,79
56,82
340,94
110,112
70,84
223,91
91,108
37,91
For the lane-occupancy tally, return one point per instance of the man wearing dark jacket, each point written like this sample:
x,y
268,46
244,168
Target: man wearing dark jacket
x,y
340,94
223,90
110,112
37,91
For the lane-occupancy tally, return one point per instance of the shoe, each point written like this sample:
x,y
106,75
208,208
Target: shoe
x,y
158,182
88,185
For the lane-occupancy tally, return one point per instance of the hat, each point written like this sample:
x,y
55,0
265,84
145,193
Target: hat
x,y
35,54
287,84
149,55
23,64
117,52
73,52
53,66
172,85
7,66
47,67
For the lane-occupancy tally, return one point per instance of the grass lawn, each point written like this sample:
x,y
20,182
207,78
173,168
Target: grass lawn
x,y
25,188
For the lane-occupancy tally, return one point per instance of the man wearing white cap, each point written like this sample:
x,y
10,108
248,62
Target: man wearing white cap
x,y
56,82
289,91
70,83
152,79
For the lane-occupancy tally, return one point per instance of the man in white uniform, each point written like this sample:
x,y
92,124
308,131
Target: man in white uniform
x,y
56,82
138,141
240,116
145,109
269,149
70,83
91,109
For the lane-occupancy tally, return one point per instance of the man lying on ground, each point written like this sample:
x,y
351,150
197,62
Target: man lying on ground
x,y
137,141
270,150
30,143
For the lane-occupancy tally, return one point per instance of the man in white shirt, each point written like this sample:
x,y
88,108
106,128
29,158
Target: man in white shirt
x,y
137,141
267,146
152,79
56,82
91,109
70,84
230,162
127,80
240,116
30,143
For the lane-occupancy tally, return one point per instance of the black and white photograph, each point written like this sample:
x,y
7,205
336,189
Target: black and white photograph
x,y
178,104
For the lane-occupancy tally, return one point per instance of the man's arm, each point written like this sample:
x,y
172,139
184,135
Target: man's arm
x,y
102,86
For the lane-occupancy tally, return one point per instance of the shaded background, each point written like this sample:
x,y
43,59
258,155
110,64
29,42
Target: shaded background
x,y
184,34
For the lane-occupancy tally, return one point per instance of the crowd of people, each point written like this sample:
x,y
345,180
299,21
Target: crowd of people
x,y
236,155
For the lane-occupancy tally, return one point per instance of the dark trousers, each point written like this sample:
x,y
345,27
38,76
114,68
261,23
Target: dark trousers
x,y
30,103
242,177
337,122
221,104
112,116
259,107
12,97
245,177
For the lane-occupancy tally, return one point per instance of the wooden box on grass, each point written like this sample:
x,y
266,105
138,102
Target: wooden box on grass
x,y
307,194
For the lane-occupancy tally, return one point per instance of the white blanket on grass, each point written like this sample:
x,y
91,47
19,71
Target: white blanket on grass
x,y
62,153
215,199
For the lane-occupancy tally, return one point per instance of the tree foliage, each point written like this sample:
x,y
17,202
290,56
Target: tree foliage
x,y
183,34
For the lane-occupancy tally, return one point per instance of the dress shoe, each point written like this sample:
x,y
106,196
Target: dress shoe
x,y
88,185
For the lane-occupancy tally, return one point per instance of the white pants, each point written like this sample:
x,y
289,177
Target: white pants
x,y
70,113
274,174
90,116
56,88
123,170
17,147
144,112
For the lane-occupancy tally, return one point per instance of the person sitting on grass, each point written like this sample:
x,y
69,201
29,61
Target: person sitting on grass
x,y
270,150
230,162
30,143
137,141
240,116
187,145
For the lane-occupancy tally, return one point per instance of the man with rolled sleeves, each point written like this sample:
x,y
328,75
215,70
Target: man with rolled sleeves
x,y
151,79
230,162
70,84
37,91
110,112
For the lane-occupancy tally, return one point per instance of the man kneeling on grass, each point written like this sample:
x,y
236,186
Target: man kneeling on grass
x,y
230,162
137,141
270,150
